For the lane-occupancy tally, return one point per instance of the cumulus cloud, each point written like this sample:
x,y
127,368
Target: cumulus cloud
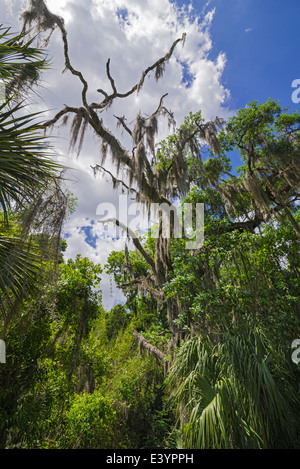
x,y
133,34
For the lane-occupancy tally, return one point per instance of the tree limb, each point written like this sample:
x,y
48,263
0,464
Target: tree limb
x,y
137,86
55,119
99,167
121,121
112,82
135,240
143,281
143,343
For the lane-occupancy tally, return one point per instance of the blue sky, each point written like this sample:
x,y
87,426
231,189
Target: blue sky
x,y
261,42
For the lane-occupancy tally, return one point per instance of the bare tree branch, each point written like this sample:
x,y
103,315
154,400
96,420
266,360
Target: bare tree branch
x,y
38,13
57,117
112,82
114,179
121,121
137,86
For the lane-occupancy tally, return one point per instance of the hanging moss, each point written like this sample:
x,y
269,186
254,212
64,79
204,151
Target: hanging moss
x,y
261,199
78,129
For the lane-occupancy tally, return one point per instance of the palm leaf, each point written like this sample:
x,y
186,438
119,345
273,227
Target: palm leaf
x,y
20,62
24,162
18,271
237,394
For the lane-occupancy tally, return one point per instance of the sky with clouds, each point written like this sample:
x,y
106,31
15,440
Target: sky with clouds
x,y
235,51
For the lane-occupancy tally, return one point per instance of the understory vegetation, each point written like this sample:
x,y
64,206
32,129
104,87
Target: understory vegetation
x,y
199,355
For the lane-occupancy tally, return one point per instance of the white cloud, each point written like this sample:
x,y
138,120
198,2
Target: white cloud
x,y
133,34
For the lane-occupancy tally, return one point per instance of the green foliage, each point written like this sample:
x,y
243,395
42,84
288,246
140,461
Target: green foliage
x,y
49,357
250,276
240,393
168,147
89,422
81,380
134,382
249,126
144,310
116,320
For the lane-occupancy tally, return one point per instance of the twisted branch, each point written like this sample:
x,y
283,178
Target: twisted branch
x,y
108,98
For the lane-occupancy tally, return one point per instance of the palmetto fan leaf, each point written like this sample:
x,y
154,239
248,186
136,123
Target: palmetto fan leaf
x,y
19,267
24,162
20,62
237,394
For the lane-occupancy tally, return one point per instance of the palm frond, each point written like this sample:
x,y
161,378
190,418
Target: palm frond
x,y
25,161
18,271
237,394
20,61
